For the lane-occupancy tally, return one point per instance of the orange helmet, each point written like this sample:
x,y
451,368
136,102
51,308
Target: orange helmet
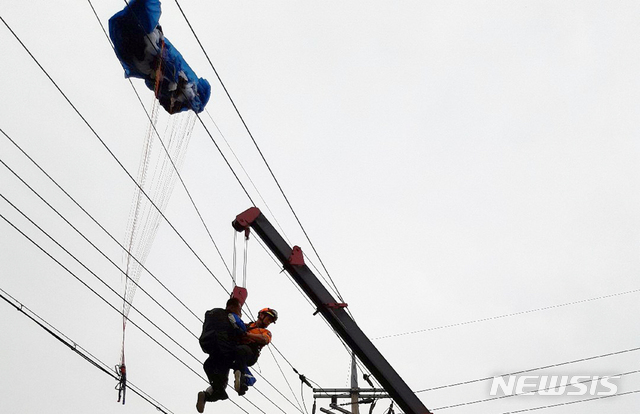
x,y
271,312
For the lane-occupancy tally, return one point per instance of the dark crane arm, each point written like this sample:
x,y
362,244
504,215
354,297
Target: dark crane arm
x,y
334,312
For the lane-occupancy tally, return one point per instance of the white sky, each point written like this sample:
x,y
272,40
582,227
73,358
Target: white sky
x,y
451,161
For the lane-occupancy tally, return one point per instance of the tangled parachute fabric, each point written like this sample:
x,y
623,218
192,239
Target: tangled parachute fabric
x,y
145,53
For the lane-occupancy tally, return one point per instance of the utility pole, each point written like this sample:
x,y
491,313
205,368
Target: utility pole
x,y
355,393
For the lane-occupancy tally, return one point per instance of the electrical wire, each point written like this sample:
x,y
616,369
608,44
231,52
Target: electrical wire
x,y
77,348
96,222
574,402
163,145
302,396
120,311
363,368
423,390
284,234
244,269
110,151
527,392
246,173
87,269
91,289
510,314
217,146
103,143
257,147
94,246
284,376
575,361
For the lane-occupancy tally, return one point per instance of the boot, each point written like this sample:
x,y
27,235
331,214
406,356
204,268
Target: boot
x,y
240,382
201,402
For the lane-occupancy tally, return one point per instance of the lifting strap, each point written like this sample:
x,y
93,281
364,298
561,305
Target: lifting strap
x,y
240,292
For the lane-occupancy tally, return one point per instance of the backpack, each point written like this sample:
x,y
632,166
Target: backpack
x,y
216,327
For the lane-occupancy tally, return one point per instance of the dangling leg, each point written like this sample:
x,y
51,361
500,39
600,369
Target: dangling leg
x,y
243,354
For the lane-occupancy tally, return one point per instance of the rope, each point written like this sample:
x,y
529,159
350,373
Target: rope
x,y
246,254
235,240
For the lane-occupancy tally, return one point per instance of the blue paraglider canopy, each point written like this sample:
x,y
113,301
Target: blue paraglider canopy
x,y
145,53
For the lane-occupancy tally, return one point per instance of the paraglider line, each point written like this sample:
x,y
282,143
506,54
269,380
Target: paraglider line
x,y
184,185
111,152
76,348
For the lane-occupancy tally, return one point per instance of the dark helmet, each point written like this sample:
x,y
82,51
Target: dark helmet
x,y
271,312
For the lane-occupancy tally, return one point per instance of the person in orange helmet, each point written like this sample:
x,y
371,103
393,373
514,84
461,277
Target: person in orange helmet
x,y
256,338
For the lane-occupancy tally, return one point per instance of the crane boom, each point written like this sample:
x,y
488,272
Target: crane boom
x,y
334,312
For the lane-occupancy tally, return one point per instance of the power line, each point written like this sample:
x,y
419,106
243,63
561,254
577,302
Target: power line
x,y
575,361
258,148
113,155
204,126
86,268
244,170
93,290
215,143
94,246
96,222
111,152
105,284
510,314
120,311
198,116
527,392
77,348
601,397
363,368
164,146
284,376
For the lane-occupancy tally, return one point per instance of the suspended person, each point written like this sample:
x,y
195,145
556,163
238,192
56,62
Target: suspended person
x,y
256,338
221,334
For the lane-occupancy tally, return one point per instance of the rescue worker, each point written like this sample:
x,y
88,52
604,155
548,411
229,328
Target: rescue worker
x,y
221,334
256,338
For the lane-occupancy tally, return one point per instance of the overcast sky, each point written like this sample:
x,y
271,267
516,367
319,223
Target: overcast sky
x,y
466,170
